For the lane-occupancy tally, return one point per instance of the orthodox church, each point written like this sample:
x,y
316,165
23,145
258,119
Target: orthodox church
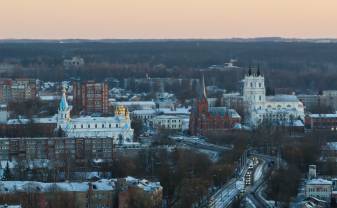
x,y
117,127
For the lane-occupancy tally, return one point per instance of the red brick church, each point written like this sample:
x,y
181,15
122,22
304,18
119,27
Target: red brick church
x,y
205,119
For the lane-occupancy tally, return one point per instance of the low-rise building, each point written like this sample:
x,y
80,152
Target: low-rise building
x,y
3,113
169,122
321,122
319,188
74,62
101,193
131,187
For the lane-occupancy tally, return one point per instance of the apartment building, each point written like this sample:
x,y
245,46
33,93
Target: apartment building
x,y
17,90
91,96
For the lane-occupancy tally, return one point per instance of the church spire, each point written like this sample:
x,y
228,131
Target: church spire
x,y
203,87
63,102
258,73
249,70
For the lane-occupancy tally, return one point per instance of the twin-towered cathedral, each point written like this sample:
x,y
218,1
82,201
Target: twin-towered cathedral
x,y
278,109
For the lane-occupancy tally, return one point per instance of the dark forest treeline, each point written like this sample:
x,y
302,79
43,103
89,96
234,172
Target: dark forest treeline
x,y
282,55
296,65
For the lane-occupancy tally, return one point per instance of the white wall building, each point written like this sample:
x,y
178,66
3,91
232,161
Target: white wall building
x,y
117,127
319,188
171,122
279,109
73,62
3,113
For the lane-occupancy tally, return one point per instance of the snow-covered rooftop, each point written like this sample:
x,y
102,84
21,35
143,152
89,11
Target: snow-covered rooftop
x,y
282,98
331,146
33,186
330,115
168,111
318,181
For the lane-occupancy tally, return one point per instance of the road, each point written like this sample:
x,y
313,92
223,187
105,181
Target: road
x,y
225,196
213,151
201,144
262,173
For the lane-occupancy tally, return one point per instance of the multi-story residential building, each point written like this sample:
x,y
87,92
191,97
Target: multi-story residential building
x,y
205,119
318,188
17,90
56,149
91,96
5,90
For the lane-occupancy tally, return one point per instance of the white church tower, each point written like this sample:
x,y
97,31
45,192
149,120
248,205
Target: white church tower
x,y
254,94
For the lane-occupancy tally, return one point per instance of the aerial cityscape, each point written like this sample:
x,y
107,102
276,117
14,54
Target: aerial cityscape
x,y
170,104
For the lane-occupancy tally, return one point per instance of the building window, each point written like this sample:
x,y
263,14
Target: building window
x,y
82,126
251,84
96,126
88,126
74,126
260,85
102,125
116,125
109,125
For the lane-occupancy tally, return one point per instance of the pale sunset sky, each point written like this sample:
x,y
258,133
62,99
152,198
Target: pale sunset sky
x,y
161,19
